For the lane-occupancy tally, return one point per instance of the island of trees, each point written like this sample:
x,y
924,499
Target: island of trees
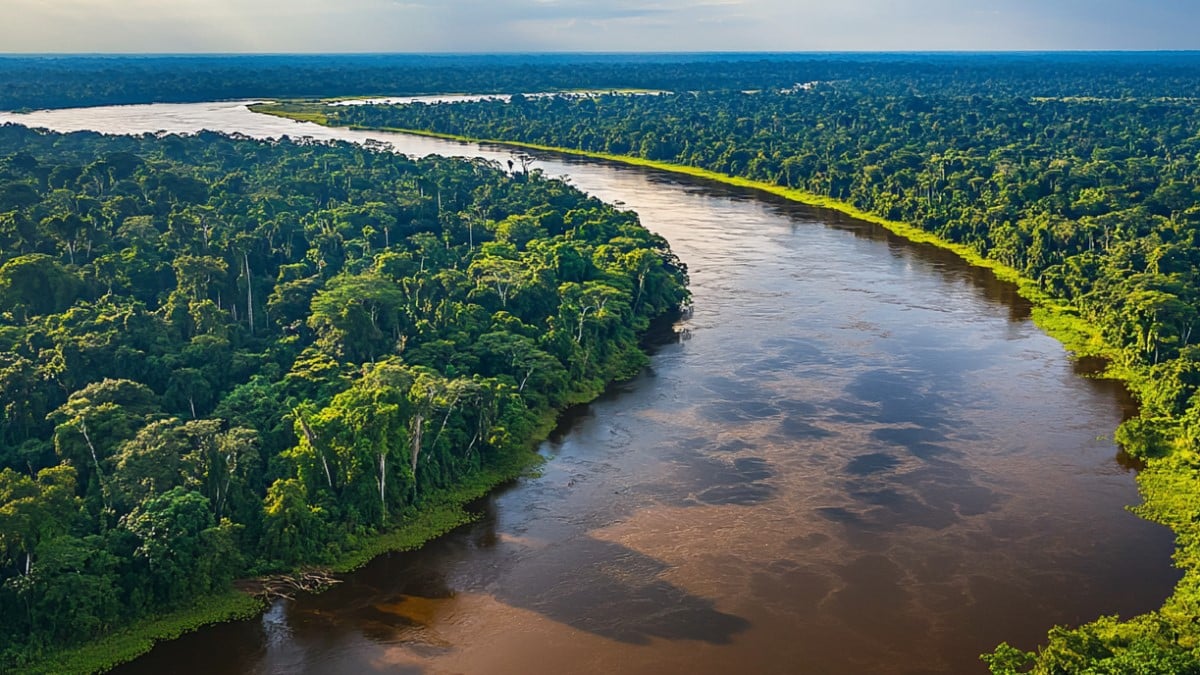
x,y
1090,201
223,358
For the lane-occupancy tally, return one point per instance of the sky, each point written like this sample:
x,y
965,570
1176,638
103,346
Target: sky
x,y
275,26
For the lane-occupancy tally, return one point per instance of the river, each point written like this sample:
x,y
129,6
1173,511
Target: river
x,y
860,456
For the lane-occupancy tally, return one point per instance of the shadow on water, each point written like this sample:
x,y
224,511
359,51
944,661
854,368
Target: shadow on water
x,y
597,586
909,472
592,585
704,480
600,587
945,263
612,591
896,396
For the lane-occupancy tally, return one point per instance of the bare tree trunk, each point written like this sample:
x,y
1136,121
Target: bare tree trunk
x,y
382,483
416,447
312,440
223,491
95,460
249,292
447,417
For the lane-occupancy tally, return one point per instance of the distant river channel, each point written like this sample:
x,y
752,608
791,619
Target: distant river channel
x,y
858,456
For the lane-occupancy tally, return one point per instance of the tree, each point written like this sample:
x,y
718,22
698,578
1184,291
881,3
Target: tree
x,y
36,284
292,529
503,276
151,463
94,421
34,510
358,317
177,538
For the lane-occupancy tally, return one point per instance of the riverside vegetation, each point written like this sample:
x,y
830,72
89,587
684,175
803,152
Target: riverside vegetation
x,y
223,358
1089,202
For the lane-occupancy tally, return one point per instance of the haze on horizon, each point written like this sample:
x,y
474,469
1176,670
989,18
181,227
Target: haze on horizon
x,y
294,26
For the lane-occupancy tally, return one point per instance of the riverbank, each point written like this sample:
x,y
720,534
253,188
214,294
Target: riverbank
x,y
128,643
439,515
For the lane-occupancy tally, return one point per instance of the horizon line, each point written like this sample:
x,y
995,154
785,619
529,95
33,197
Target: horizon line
x,y
949,52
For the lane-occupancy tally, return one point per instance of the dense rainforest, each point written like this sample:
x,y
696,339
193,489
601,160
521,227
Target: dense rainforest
x,y
1094,199
223,358
71,81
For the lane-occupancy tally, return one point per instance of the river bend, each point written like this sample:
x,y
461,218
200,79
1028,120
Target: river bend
x,y
861,456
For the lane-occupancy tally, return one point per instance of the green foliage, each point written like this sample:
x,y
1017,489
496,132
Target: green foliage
x,y
1107,646
125,644
36,284
224,357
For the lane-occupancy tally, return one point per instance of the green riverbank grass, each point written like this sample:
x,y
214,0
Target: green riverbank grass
x,y
292,110
129,643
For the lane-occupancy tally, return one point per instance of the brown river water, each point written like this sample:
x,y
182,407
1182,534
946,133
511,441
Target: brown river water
x,y
859,456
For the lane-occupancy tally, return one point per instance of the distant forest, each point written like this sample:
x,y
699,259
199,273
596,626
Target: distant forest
x,y
69,81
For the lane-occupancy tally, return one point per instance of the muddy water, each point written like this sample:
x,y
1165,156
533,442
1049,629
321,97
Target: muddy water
x,y
860,457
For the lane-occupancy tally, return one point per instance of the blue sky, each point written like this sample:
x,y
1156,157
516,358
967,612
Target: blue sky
x,y
593,25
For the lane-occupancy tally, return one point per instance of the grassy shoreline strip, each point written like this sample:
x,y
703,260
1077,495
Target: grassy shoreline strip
x,y
133,641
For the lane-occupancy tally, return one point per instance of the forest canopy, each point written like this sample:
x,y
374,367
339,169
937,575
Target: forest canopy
x,y
222,357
